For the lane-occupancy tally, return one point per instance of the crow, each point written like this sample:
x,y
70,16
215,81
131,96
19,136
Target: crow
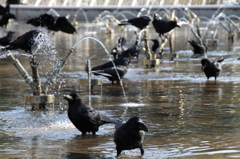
x,y
6,16
25,42
112,73
198,48
124,60
135,50
121,61
156,45
140,22
130,135
211,68
44,20
6,39
163,26
53,23
119,48
83,117
2,10
64,25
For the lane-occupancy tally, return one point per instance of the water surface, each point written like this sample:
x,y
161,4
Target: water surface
x,y
187,116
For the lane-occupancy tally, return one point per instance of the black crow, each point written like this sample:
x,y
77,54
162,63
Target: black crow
x,y
83,117
156,45
111,73
140,22
119,48
44,20
211,68
2,10
163,26
25,42
6,16
130,135
53,23
6,39
64,25
135,50
198,48
121,61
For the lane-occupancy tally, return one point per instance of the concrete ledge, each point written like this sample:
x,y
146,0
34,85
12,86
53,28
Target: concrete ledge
x,y
25,12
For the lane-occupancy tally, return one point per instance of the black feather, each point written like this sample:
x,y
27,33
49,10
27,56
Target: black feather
x,y
211,68
130,135
83,117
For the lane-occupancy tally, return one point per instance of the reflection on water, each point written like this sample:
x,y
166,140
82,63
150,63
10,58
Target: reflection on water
x,y
187,116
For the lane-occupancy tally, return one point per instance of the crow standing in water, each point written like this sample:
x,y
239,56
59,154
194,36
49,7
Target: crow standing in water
x,y
25,42
198,48
119,48
163,26
211,68
53,23
115,73
130,135
140,22
135,49
83,117
123,60
6,39
112,73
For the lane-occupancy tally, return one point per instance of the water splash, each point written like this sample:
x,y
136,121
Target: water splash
x,y
109,55
122,13
42,42
46,49
185,21
62,63
148,10
84,15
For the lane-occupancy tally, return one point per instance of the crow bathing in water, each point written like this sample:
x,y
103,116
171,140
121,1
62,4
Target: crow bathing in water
x,y
112,73
83,117
25,42
130,135
211,68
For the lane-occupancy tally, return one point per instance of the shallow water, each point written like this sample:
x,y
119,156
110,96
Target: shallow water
x,y
187,116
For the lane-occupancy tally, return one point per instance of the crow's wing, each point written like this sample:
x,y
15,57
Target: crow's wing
x,y
96,118
65,26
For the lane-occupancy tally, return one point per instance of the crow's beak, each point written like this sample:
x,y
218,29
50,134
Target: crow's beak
x,y
143,127
67,97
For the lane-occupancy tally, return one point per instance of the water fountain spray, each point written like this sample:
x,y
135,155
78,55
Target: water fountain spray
x,y
62,63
